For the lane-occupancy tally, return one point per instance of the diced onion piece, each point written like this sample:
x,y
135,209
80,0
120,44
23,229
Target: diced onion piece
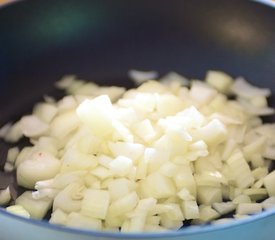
x,y
75,160
209,195
197,88
204,165
70,198
40,167
48,144
151,86
102,172
11,157
5,129
45,111
114,222
259,183
207,213
45,193
78,220
120,187
248,208
259,102
260,172
66,103
213,133
37,208
269,182
124,204
168,104
85,89
242,199
168,169
173,78
224,207
121,166
254,110
18,210
14,132
212,179
222,221
151,184
143,209
155,158
185,195
153,220
95,203
121,133
190,209
138,222
146,204
240,170
104,160
240,216
269,152
64,124
131,150
97,114
236,192
113,92
75,87
8,167
170,224
257,160
59,217
141,76
5,196
89,144
244,89
142,169
65,82
145,130
267,130
184,179
12,154
197,149
24,154
256,147
269,203
125,226
49,99
174,212
256,194
32,126
219,80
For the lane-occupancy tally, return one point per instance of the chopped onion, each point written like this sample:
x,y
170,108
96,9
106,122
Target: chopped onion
x,y
5,196
141,76
5,129
31,126
145,159
18,210
244,89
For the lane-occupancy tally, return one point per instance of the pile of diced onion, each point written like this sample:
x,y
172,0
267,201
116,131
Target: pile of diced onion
x,y
148,158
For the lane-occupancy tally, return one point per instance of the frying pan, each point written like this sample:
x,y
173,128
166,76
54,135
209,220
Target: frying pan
x,y
100,40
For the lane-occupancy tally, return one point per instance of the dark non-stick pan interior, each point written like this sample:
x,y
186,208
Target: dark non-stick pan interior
x,y
100,40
